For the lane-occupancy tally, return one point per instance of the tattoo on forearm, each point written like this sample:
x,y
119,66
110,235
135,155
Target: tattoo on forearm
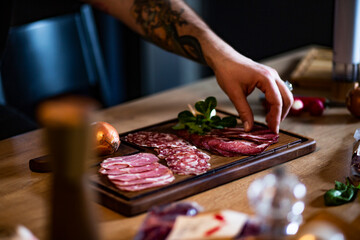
x,y
160,22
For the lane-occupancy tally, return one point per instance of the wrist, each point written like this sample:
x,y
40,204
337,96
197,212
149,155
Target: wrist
x,y
217,52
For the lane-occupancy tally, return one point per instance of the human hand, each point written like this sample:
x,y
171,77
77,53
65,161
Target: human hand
x,y
238,76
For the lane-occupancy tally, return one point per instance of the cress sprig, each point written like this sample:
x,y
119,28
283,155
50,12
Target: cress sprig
x,y
205,120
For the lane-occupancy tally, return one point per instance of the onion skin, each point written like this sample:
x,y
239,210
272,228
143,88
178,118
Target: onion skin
x,y
107,138
353,102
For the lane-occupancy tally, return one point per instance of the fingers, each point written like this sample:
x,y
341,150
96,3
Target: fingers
x,y
273,97
243,109
287,98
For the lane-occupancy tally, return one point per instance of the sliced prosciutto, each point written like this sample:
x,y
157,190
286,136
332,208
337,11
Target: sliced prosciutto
x,y
143,186
161,178
157,172
136,172
118,171
135,160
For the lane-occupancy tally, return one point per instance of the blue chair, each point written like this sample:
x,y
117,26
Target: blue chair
x,y
51,57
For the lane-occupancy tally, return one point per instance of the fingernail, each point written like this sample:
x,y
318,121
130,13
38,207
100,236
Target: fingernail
x,y
246,126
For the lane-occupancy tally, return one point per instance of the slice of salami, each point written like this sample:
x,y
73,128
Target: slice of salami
x,y
188,162
163,152
155,139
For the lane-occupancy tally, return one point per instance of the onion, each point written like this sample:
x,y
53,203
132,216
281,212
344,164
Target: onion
x,y
353,101
107,138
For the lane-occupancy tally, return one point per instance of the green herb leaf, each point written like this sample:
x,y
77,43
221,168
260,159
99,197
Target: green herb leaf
x,y
203,122
341,194
205,107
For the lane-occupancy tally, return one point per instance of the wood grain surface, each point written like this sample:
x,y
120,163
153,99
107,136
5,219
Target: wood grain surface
x,y
223,170
24,195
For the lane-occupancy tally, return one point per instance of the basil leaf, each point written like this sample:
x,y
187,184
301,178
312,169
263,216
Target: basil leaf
x,y
340,185
341,194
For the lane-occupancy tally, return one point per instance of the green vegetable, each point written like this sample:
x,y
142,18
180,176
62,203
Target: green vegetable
x,y
341,194
205,121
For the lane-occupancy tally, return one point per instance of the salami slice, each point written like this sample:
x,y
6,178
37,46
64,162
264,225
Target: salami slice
x,y
155,139
181,157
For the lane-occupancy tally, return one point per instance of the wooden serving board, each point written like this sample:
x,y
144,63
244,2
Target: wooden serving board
x,y
223,170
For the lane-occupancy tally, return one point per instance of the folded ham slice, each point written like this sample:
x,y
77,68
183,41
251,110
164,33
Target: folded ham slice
x,y
136,172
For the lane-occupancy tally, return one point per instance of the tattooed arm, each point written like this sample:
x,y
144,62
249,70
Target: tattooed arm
x,y
174,26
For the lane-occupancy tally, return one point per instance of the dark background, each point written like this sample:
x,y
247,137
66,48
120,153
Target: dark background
x,y
256,28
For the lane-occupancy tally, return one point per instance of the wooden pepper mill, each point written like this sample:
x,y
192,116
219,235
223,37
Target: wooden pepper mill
x,y
66,123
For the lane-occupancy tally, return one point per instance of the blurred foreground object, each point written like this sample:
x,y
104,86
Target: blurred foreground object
x,y
68,136
353,101
160,219
277,201
326,226
106,137
355,160
16,233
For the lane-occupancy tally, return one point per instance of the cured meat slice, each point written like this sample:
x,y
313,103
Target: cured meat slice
x,y
258,134
139,187
159,171
164,177
241,147
135,160
127,170
155,139
188,163
232,142
136,172
163,152
181,157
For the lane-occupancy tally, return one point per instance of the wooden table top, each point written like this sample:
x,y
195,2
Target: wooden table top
x,y
24,194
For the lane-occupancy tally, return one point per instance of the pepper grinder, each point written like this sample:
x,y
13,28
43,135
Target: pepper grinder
x,y
66,122
346,45
277,201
